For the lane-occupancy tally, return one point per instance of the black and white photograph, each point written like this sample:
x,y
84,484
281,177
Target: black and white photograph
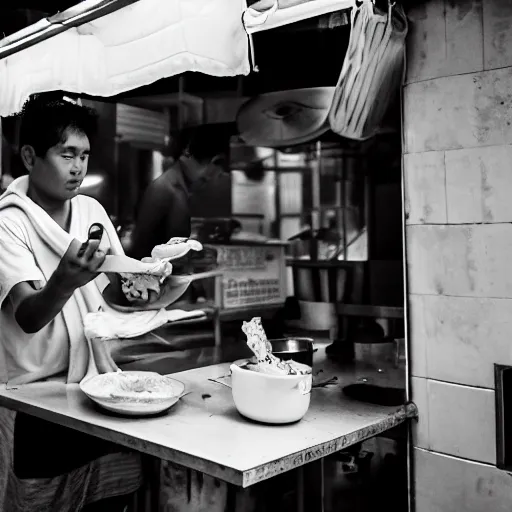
x,y
254,256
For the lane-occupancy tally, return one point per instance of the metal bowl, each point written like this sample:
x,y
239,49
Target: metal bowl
x,y
298,349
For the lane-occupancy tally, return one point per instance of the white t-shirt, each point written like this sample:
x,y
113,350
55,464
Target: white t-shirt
x,y
47,349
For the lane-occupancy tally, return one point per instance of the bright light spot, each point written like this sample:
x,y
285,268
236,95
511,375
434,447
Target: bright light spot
x,y
92,180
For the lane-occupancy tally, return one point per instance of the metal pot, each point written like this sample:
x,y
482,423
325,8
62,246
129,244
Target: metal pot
x,y
298,349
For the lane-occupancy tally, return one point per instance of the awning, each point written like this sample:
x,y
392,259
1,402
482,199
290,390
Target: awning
x,y
129,48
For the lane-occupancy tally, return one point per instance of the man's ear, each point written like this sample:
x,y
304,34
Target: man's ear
x,y
28,157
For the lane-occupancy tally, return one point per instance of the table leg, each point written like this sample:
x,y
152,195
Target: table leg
x,y
312,498
300,489
148,496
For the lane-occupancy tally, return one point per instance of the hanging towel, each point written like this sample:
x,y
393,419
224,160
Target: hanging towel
x,y
372,71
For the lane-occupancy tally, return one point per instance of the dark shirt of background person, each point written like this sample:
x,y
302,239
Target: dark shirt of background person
x,y
165,211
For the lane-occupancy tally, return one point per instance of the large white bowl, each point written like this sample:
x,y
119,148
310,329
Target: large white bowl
x,y
142,404
274,399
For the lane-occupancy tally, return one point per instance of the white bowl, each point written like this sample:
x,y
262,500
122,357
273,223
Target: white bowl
x,y
132,404
274,399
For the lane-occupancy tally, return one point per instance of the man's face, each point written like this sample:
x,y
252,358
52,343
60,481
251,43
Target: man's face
x,y
59,174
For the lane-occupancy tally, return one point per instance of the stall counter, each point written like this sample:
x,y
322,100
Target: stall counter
x,y
204,431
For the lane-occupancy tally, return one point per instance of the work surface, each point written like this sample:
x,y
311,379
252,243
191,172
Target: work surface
x,y
205,432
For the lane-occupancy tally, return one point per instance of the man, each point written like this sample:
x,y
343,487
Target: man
x,y
165,208
47,284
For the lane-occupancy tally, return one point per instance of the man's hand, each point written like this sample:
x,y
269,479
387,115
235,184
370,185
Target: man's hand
x,y
75,271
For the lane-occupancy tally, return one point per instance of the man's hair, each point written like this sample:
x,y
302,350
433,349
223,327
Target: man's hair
x,y
46,119
207,141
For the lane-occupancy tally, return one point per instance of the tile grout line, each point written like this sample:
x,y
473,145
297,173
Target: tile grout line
x,y
476,297
467,148
466,73
483,388
441,224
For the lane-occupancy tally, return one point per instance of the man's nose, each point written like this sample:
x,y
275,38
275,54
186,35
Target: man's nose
x,y
77,166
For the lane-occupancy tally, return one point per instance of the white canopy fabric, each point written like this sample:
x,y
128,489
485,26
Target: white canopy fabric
x,y
134,46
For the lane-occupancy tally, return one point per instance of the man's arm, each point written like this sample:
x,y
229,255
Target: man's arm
x,y
34,309
154,207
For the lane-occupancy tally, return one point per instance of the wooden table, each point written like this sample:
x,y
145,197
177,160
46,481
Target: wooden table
x,y
204,431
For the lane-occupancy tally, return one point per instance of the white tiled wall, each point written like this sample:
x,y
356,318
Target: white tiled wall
x,y
458,179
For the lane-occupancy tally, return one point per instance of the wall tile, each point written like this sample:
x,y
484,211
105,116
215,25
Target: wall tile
x,y
438,260
427,29
459,339
419,394
448,484
479,184
458,112
468,261
460,421
425,191
446,38
497,16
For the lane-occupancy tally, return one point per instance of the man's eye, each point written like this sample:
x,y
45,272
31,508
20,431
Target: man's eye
x,y
67,157
84,158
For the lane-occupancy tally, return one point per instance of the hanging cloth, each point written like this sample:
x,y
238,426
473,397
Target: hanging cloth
x,y
372,72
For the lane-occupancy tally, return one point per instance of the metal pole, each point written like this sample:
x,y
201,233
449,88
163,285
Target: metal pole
x,y
339,194
344,210
277,195
1,147
315,188
73,17
181,88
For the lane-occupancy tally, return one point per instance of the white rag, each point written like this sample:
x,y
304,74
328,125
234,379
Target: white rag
x,y
114,324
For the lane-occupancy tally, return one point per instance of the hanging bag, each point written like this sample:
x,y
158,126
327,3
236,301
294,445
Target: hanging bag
x,y
372,71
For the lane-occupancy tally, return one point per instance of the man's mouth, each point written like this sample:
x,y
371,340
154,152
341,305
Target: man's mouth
x,y
72,184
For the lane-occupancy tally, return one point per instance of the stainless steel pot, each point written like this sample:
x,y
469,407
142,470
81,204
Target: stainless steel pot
x,y
298,349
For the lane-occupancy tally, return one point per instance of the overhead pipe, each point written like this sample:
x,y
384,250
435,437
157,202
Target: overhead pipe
x,y
84,12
